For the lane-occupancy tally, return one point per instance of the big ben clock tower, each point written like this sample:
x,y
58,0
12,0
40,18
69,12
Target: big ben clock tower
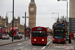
x,y
32,14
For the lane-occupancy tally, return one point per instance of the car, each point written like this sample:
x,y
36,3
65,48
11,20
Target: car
x,y
17,36
67,37
5,36
20,35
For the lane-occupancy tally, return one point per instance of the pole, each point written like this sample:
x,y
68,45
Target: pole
x,y
25,25
6,22
58,17
13,21
67,12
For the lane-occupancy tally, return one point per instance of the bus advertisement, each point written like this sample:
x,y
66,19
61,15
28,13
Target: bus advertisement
x,y
39,35
59,32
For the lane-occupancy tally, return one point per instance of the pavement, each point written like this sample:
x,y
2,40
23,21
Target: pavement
x,y
14,41
71,45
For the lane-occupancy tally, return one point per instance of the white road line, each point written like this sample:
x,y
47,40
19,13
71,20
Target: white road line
x,y
47,44
44,47
19,43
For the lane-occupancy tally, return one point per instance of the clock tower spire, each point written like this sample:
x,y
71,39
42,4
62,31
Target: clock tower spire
x,y
32,2
32,14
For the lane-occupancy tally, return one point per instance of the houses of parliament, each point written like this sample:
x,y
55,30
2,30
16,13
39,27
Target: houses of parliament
x,y
4,22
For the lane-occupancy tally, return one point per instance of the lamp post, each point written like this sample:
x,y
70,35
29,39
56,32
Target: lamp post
x,y
67,12
7,16
13,21
8,12
25,24
58,15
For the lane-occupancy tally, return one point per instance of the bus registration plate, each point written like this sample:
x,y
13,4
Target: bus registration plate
x,y
38,42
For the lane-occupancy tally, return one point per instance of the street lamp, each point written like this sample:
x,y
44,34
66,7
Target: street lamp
x,y
67,9
12,20
7,16
8,12
25,24
54,17
58,15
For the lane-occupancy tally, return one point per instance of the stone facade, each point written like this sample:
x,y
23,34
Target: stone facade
x,y
32,14
4,22
72,9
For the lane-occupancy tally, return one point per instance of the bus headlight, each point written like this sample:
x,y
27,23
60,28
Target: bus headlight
x,y
42,39
64,39
34,39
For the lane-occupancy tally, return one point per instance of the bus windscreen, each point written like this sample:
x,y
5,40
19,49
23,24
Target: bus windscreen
x,y
39,34
59,33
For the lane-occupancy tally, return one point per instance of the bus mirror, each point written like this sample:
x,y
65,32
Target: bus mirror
x,y
52,26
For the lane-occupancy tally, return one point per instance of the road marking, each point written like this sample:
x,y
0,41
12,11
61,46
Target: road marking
x,y
66,47
19,43
44,47
47,44
19,48
34,48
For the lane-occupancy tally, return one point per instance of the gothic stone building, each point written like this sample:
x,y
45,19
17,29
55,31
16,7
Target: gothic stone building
x,y
4,22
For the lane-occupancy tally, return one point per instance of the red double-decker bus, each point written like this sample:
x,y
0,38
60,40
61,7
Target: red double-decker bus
x,y
59,32
15,31
39,35
27,33
2,31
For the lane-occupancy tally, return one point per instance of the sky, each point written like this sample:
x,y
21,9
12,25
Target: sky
x,y
44,10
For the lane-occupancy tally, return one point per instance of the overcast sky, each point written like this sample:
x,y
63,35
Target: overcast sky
x,y
44,10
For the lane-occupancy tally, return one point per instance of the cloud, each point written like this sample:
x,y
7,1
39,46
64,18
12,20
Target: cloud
x,y
44,11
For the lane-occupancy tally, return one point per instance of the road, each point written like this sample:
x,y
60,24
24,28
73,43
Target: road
x,y
26,45
2,41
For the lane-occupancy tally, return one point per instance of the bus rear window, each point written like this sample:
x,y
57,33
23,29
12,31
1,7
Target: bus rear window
x,y
39,28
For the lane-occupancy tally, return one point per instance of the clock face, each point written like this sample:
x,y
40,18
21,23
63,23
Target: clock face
x,y
31,9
